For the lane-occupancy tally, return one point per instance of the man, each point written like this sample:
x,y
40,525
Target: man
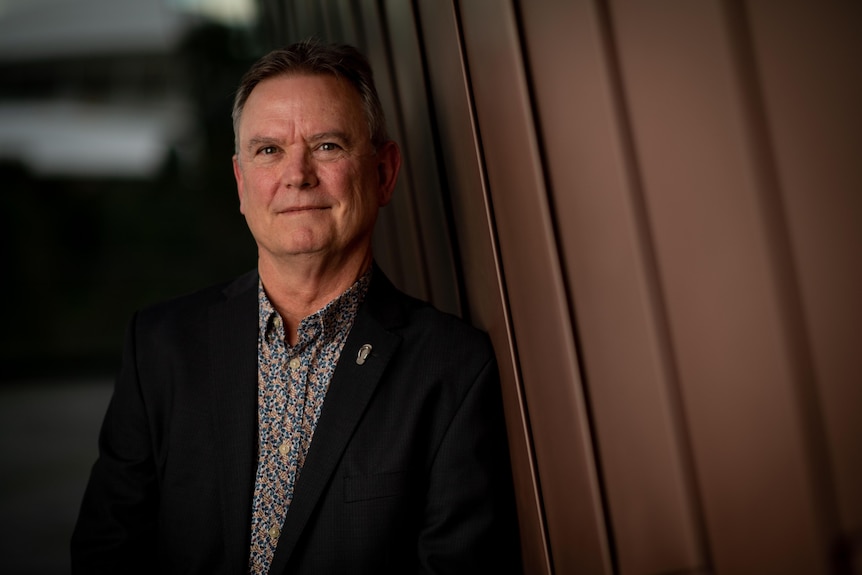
x,y
306,417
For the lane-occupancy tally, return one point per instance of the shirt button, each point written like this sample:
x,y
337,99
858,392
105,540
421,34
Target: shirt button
x,y
274,532
294,363
284,448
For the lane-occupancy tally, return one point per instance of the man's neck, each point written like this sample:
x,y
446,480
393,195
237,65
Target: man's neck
x,y
303,286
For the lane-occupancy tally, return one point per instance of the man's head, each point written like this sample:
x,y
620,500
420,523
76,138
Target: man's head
x,y
313,58
312,164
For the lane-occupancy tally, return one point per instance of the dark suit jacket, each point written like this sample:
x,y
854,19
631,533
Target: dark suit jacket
x,y
408,470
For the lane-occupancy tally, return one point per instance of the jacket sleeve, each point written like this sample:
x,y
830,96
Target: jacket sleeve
x,y
116,527
470,523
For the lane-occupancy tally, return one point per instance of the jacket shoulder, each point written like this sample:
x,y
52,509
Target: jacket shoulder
x,y
426,329
193,307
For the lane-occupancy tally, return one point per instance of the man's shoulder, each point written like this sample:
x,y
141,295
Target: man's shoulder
x,y
422,324
192,305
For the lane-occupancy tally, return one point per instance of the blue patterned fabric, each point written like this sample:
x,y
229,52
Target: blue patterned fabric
x,y
292,384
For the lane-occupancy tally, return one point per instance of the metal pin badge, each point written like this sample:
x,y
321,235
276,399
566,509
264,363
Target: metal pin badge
x,y
363,354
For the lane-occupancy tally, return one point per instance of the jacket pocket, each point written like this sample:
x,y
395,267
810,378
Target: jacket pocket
x,y
374,486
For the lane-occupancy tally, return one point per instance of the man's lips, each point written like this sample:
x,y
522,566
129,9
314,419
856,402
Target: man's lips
x,y
301,209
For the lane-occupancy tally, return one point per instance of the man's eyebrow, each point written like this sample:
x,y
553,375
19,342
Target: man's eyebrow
x,y
337,135
261,140
331,135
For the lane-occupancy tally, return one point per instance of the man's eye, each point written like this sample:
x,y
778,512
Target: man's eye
x,y
266,151
328,147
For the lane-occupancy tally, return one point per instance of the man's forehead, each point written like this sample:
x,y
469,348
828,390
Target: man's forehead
x,y
305,97
319,103
301,82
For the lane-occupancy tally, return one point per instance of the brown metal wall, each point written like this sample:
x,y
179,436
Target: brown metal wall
x,y
655,209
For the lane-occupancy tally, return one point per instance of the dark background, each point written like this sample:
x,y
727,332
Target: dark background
x,y
82,251
116,191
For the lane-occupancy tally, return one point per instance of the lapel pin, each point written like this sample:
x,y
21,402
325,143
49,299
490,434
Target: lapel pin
x,y
363,354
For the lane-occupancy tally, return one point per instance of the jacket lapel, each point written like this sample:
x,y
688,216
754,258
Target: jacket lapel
x,y
350,390
233,328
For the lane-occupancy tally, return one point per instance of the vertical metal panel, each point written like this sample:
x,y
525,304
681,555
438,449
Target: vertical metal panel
x,y
717,269
808,56
277,19
332,20
326,20
397,245
539,308
474,228
704,222
309,18
609,266
351,23
417,145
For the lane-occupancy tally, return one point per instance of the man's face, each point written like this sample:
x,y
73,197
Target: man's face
x,y
309,180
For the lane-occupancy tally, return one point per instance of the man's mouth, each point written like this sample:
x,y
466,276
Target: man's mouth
x,y
301,209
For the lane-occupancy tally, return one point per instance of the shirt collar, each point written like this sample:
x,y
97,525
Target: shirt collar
x,y
338,314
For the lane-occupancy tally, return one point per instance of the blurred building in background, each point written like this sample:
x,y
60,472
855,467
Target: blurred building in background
x,y
116,191
115,145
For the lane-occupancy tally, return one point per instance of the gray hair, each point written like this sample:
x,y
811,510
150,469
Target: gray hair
x,y
310,57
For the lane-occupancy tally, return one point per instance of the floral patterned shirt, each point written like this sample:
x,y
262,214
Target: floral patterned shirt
x,y
292,384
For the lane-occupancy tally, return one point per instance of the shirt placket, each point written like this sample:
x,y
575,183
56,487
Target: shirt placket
x,y
289,451
269,516
290,398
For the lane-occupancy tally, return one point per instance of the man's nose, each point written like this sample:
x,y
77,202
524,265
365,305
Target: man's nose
x,y
299,169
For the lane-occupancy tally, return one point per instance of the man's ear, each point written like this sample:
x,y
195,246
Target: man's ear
x,y
237,174
388,165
